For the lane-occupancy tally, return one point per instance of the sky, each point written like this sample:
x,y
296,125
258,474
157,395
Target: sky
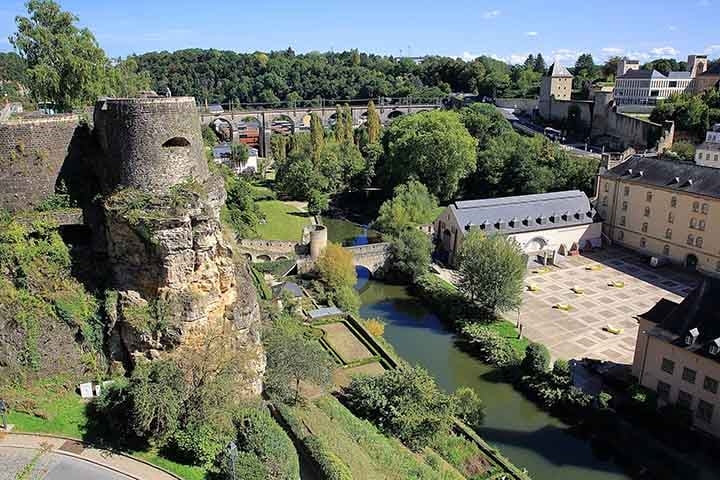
x,y
505,29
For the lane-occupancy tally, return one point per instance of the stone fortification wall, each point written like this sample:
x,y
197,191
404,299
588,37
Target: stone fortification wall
x,y
526,105
32,155
150,143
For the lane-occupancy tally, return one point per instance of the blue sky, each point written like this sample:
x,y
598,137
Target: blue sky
x,y
509,30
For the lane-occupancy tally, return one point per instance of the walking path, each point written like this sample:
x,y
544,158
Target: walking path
x,y
51,458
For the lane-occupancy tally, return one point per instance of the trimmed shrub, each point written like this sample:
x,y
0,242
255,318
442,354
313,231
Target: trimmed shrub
x,y
470,408
331,466
490,346
537,359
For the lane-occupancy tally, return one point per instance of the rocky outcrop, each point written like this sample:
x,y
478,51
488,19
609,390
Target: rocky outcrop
x,y
174,271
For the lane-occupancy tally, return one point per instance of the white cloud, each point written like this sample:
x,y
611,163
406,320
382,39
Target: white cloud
x,y
712,48
495,56
638,55
612,50
491,14
467,56
516,58
664,51
531,34
672,28
565,55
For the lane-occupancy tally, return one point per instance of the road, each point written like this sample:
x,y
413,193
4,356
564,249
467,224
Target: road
x,y
32,464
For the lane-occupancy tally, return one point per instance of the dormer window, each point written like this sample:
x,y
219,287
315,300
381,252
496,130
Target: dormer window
x,y
692,336
715,347
513,223
526,222
540,220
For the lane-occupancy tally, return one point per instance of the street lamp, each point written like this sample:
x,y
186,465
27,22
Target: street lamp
x,y
232,452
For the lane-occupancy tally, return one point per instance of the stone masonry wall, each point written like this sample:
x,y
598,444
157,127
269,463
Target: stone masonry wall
x,y
32,154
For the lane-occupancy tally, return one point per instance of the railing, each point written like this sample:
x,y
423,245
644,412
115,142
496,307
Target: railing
x,y
322,103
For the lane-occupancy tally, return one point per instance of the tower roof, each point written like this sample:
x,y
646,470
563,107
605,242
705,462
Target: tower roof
x,y
558,70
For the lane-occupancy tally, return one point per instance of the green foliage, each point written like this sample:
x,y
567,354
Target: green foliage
x,y
241,211
554,390
291,359
491,271
317,135
405,403
65,64
411,251
490,346
373,123
691,113
259,436
157,390
432,147
684,150
412,205
604,399
536,360
470,408
484,122
124,80
318,202
346,299
209,137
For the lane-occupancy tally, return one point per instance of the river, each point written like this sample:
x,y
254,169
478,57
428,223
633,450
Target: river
x,y
527,435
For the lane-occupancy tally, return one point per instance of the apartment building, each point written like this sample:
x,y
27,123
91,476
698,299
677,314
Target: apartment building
x,y
677,354
708,153
664,209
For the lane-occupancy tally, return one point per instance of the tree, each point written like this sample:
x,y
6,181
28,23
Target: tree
x,y
347,124
66,66
433,147
410,251
470,408
293,359
239,154
335,267
539,66
318,202
412,205
585,65
684,150
317,135
491,271
404,402
536,360
373,123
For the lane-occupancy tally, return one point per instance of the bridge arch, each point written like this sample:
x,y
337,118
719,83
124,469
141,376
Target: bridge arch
x,y
263,258
283,124
223,128
394,114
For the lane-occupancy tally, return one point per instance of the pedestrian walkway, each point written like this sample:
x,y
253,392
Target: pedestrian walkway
x,y
43,452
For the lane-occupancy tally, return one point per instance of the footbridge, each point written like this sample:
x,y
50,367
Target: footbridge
x,y
298,118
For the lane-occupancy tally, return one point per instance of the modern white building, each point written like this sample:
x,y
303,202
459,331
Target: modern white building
x,y
645,88
542,224
222,153
708,153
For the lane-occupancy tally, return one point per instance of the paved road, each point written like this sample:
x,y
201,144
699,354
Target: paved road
x,y
36,465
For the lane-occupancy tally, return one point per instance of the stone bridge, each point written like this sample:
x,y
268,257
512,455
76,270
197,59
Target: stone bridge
x,y
270,250
299,118
373,256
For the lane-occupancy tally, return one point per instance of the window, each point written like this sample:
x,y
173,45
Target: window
x,y
684,399
673,202
622,220
699,156
693,223
663,390
648,196
699,242
704,411
667,366
607,187
689,375
626,191
647,211
643,242
696,206
710,384
705,207
671,217
668,233
620,235
691,239
624,206
666,250
645,227
701,224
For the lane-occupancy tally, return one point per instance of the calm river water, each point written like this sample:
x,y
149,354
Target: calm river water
x,y
527,435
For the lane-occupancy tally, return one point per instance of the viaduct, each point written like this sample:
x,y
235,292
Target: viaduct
x,y
300,117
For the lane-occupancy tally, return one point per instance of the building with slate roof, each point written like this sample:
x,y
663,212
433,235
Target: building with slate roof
x,y
555,85
647,87
558,222
664,209
677,353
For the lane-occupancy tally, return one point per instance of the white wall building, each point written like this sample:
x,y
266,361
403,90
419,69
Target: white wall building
x,y
558,222
708,154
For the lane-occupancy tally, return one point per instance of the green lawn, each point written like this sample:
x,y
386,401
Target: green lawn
x,y
51,407
283,221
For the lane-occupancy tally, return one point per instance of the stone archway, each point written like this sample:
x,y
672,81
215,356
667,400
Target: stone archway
x,y
222,128
283,124
263,258
394,114
535,244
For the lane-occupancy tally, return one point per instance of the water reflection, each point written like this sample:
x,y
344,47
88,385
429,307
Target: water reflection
x,y
527,435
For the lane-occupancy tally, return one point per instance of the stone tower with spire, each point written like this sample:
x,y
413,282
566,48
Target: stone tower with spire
x,y
556,84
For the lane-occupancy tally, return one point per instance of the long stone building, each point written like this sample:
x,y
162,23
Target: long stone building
x,y
663,208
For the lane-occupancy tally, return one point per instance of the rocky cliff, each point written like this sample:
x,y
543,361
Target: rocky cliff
x,y
174,271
